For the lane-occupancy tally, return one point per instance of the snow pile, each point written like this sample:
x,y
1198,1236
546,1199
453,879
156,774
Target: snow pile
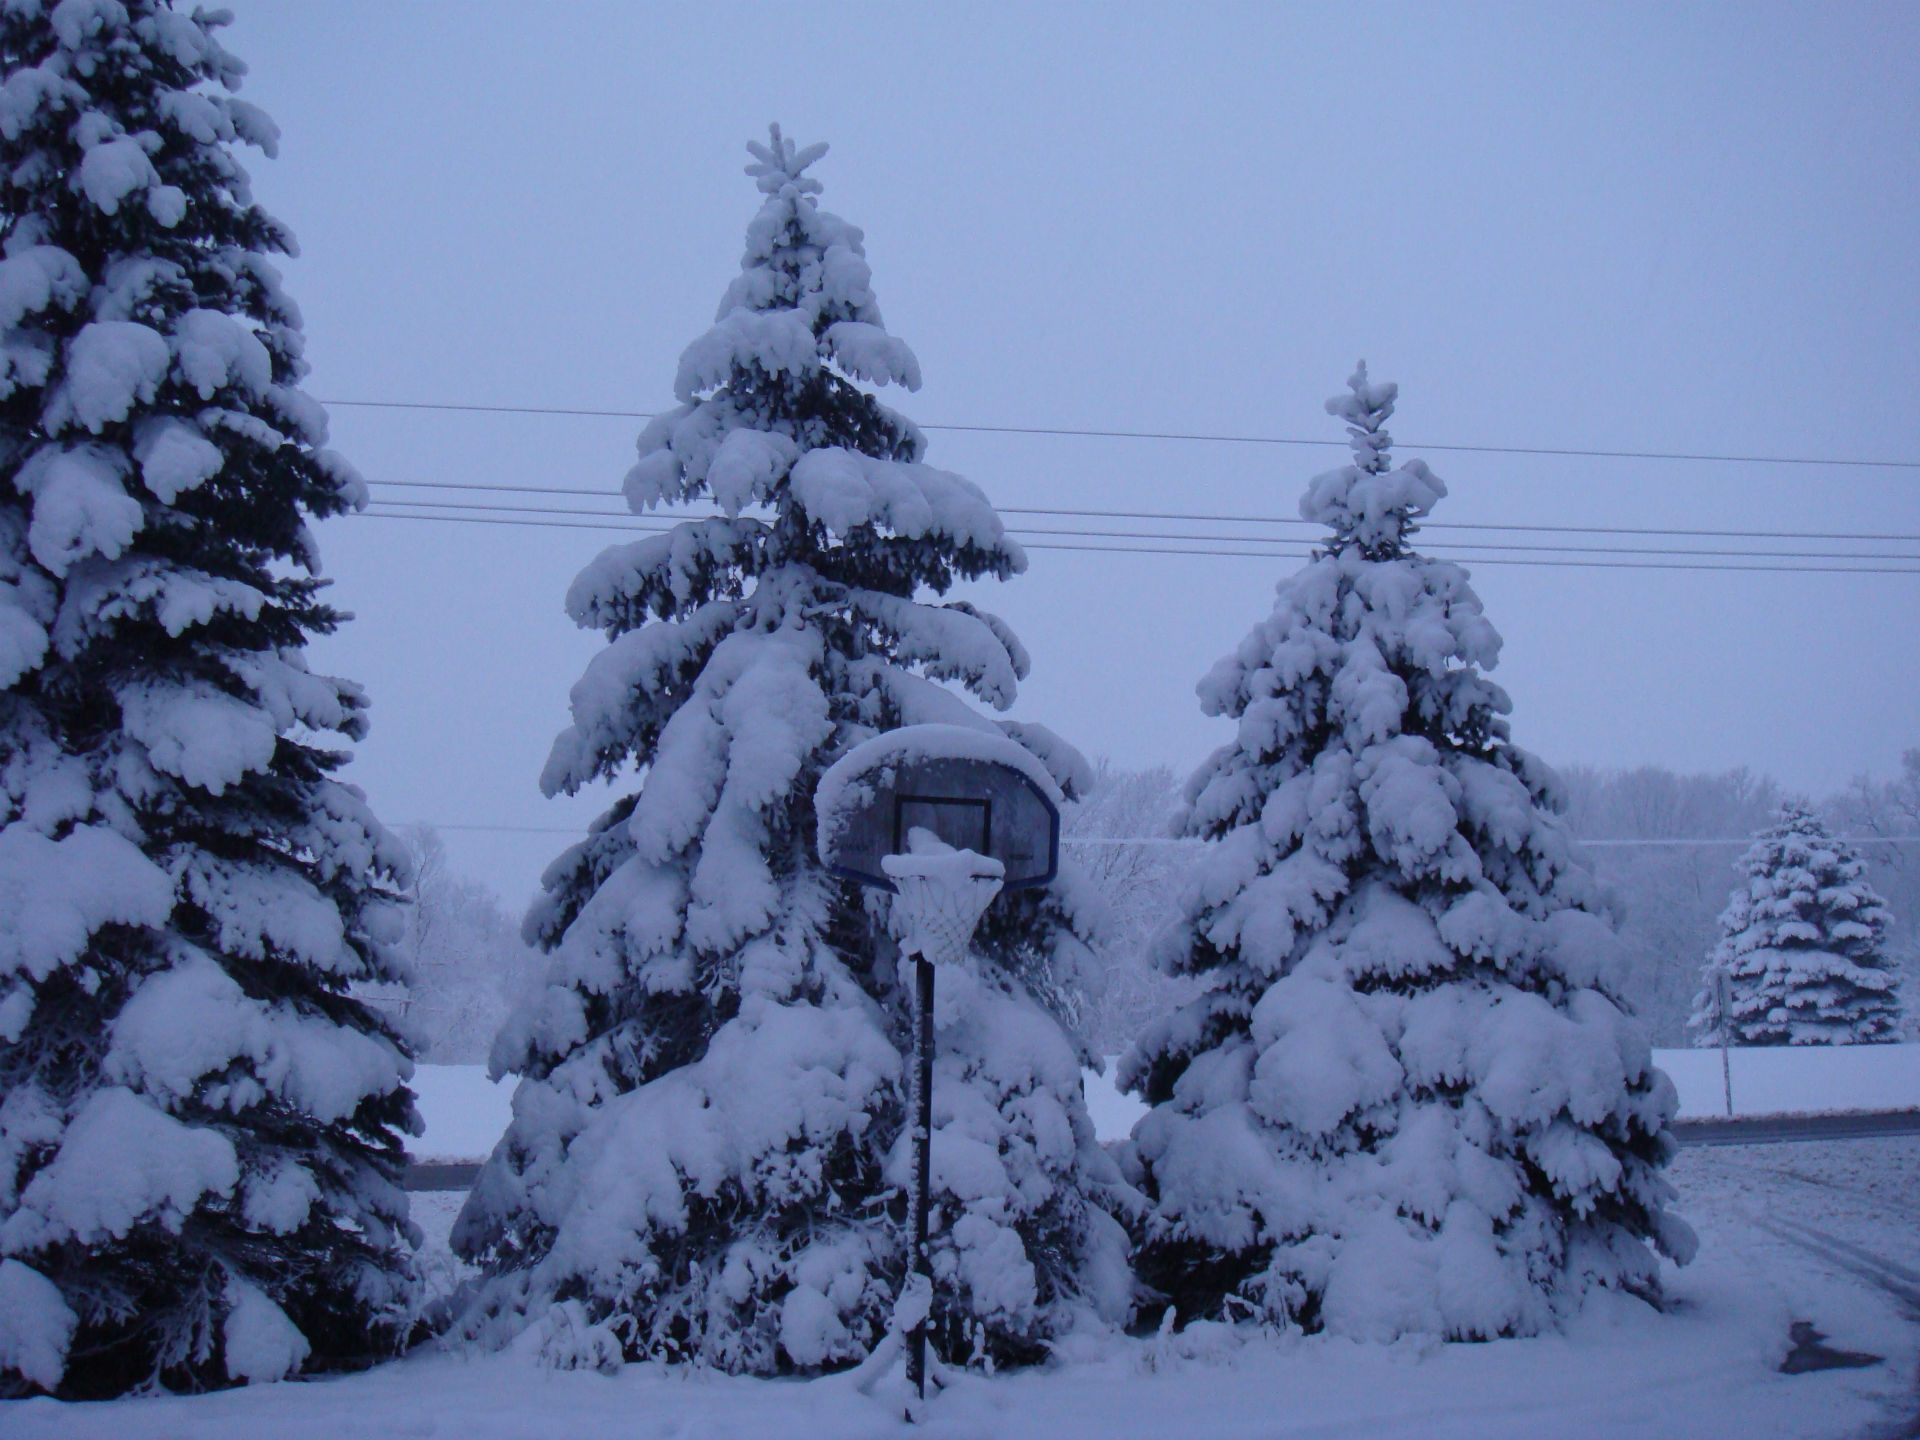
x,y
36,1325
705,1159
200,1155
1802,958
1410,1101
260,1343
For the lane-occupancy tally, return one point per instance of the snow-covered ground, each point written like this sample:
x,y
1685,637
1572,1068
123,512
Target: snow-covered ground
x,y
1826,1233
465,1112
1774,1080
1782,1228
1795,1079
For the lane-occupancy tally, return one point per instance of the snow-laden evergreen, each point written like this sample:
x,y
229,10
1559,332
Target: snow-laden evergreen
x,y
200,1157
707,1160
1803,946
1410,1101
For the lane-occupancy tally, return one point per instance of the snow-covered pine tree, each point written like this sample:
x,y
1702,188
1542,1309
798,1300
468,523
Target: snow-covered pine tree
x,y
707,1160
1409,1102
1803,946
200,1164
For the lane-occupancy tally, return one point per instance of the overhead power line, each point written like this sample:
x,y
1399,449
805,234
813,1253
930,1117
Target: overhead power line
x,y
1284,547
1426,525
1482,560
1190,436
1198,518
660,526
1561,560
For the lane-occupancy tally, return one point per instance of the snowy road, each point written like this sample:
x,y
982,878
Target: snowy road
x,y
1781,1129
1827,1233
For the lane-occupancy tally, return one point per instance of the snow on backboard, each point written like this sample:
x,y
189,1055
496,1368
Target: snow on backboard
x,y
974,790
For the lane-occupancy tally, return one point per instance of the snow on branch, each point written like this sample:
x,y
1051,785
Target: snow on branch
x,y
780,163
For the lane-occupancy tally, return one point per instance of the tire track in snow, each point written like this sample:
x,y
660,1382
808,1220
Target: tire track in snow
x,y
1883,1212
1897,1281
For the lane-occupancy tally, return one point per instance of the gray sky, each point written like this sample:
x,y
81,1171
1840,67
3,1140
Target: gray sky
x,y
1639,227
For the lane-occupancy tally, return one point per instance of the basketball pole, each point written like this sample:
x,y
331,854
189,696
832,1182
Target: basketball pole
x,y
919,811
922,1161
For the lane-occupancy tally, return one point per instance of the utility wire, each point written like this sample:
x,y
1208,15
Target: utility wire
x,y
1483,560
664,524
1560,555
1426,525
604,494
1492,545
1190,436
659,526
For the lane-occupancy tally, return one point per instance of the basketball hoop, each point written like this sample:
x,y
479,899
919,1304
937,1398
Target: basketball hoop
x,y
944,817
939,896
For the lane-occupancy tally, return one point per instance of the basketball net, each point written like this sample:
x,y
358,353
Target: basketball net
x,y
939,897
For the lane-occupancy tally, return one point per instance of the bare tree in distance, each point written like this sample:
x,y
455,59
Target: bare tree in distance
x,y
469,963
1667,898
1123,830
1651,802
1889,810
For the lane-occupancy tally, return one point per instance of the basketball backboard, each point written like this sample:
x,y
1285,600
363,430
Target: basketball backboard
x,y
972,789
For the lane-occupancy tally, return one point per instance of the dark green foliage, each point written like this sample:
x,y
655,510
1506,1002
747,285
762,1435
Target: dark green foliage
x,y
157,706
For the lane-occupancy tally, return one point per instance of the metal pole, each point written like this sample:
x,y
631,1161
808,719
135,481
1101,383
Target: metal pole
x,y
1726,1028
922,1161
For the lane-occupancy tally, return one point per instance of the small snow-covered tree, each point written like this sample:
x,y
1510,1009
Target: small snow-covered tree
x,y
1802,946
1409,1101
707,1160
200,1154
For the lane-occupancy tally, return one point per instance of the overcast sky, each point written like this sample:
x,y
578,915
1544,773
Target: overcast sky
x,y
1662,227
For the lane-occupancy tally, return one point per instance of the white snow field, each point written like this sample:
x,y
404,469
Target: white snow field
x,y
1707,1369
1795,1079
465,1112
1825,1233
